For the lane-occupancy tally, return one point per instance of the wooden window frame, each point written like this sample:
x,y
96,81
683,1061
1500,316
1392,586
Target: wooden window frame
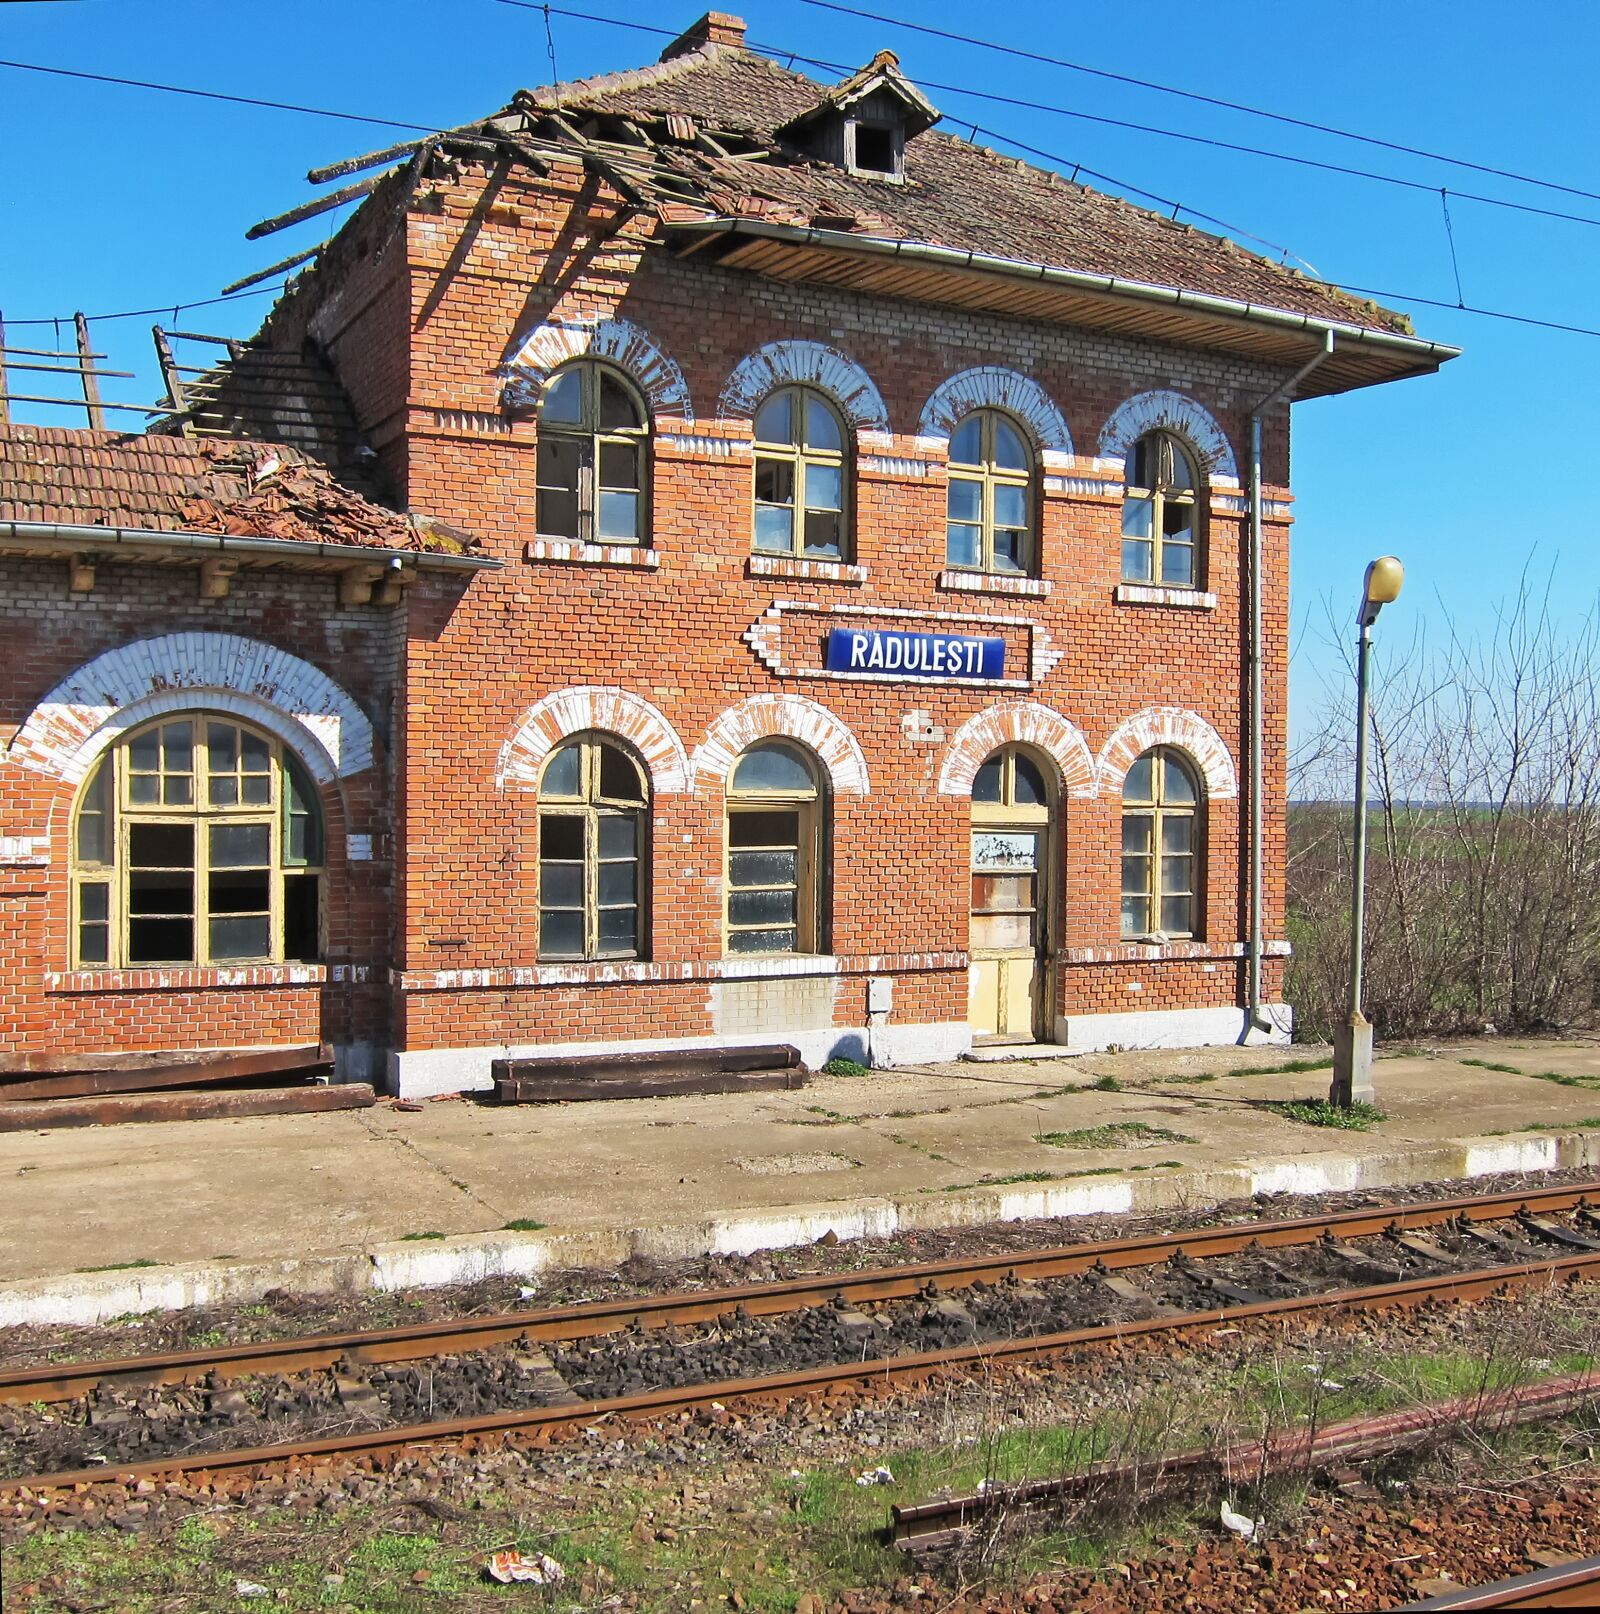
x,y
989,475
1158,810
801,456
896,132
112,775
592,440
591,805
1009,813
811,808
1158,496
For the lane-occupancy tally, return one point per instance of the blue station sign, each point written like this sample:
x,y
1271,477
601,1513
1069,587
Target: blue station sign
x,y
915,655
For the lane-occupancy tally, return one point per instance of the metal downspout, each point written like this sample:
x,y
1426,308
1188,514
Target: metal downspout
x,y
1258,717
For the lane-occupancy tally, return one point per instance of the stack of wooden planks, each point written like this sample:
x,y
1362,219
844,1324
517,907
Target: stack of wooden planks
x,y
96,1089
555,1079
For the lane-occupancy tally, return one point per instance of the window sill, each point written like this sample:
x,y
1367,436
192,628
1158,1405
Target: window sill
x,y
956,582
810,571
184,978
574,553
1189,599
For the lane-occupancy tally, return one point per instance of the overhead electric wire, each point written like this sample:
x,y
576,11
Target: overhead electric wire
x,y
1207,100
795,56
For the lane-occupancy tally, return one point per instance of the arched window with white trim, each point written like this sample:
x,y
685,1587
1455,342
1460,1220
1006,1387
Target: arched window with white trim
x,y
776,841
989,505
197,840
593,461
594,831
1160,845
1161,514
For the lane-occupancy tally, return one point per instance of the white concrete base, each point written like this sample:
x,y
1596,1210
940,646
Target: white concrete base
x,y
94,1297
1176,1028
424,1073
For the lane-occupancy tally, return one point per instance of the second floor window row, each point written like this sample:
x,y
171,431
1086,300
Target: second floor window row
x,y
593,477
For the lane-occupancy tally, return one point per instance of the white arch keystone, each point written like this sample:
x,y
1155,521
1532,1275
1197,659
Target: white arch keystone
x,y
790,717
1018,723
602,707
1174,726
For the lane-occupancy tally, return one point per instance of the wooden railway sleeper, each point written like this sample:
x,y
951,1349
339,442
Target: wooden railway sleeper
x,y
1227,1291
1130,1292
1360,1260
1425,1248
1495,1241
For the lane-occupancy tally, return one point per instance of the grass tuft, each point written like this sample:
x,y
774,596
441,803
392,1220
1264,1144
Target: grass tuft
x,y
845,1067
523,1224
123,1266
1105,1084
406,1237
1113,1135
1319,1112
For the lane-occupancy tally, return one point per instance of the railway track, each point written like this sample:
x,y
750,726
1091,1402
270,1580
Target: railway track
x,y
1574,1585
537,1372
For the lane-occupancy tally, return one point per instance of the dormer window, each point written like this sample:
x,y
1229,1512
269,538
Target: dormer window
x,y
862,124
874,147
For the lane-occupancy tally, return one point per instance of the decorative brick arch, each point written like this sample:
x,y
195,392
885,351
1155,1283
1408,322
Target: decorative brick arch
x,y
991,387
1018,723
217,672
791,717
533,356
782,364
1169,725
1173,412
609,710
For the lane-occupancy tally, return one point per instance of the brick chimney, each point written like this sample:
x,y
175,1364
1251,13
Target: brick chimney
x,y
715,28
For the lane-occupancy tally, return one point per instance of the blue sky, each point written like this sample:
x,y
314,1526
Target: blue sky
x,y
126,199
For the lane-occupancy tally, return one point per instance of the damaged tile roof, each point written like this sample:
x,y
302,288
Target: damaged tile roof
x,y
955,194
235,488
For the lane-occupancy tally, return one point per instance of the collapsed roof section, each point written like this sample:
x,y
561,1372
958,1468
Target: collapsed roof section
x,y
719,146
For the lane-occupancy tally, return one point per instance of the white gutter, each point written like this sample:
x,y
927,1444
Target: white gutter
x,y
87,537
1349,335
1258,714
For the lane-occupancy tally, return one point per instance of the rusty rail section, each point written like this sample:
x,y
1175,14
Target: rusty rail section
x,y
1574,1585
587,1321
412,1342
931,1526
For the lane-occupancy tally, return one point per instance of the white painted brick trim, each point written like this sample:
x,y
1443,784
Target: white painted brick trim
x,y
222,672
534,355
572,552
1181,415
24,851
1019,722
604,707
1192,599
790,363
627,972
990,386
794,717
1175,726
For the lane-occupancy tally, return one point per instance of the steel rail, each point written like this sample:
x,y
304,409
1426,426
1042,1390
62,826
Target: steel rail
x,y
536,1421
411,1342
1574,1585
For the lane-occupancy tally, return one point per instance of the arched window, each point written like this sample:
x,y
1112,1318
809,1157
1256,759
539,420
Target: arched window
x,y
594,808
1160,514
989,520
197,840
775,811
594,440
800,476
1160,838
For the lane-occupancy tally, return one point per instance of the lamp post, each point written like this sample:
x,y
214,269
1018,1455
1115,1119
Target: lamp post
x,y
1352,1040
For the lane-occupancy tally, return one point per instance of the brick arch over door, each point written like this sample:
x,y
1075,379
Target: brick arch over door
x,y
1018,723
601,707
1171,411
814,364
217,672
533,356
790,717
1169,725
991,387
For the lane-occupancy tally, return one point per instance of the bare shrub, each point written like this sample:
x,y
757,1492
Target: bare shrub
x,y
1484,841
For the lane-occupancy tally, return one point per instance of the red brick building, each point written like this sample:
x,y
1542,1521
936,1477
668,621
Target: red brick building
x,y
833,619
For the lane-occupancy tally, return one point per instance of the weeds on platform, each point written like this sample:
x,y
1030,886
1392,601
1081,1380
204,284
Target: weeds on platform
x,y
1356,1117
845,1067
1114,1135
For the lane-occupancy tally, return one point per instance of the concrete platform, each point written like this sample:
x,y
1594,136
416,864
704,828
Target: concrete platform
x,y
106,1221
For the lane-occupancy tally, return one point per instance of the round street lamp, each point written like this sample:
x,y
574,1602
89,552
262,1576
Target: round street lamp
x,y
1352,1040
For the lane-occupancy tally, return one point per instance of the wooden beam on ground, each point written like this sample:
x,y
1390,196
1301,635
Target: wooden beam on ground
x,y
309,210
660,1062
556,1090
108,1111
284,1056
